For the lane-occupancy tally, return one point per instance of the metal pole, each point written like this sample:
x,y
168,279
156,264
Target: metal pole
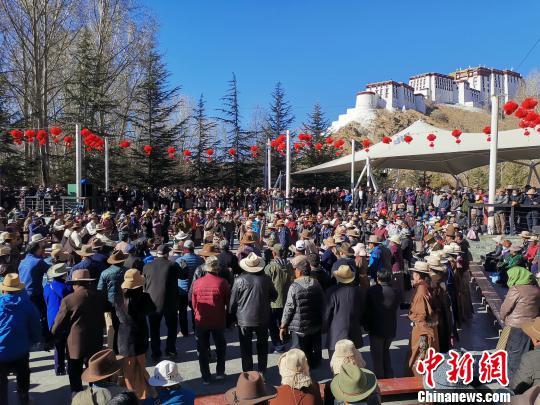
x,y
353,151
78,160
288,168
106,164
368,172
493,155
269,162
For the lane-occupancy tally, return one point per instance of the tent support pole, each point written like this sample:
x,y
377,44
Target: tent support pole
x,y
493,155
368,172
353,150
288,169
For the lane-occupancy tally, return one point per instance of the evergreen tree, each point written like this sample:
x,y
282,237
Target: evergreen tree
x,y
237,138
279,119
316,125
155,105
203,166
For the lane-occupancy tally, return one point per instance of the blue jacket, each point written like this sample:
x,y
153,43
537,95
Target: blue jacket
x,y
31,271
178,396
188,263
375,262
284,237
19,326
53,292
110,281
95,265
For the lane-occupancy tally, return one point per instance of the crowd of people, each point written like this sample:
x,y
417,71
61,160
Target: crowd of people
x,y
316,275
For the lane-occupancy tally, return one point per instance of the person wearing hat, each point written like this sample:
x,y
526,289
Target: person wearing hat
x,y
280,272
442,306
512,259
284,236
376,260
250,389
132,307
297,386
318,272
528,372
53,292
31,271
531,200
161,277
521,304
228,225
328,257
188,262
101,373
109,282
424,330
531,253
344,309
251,295
19,330
398,266
354,385
248,244
210,297
228,261
93,259
382,303
166,380
309,246
303,313
81,318
299,249
345,256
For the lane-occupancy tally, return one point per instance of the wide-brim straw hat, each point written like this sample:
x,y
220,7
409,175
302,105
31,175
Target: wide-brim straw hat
x,y
420,267
117,257
102,365
345,352
344,274
132,279
360,250
57,270
165,374
434,263
250,389
85,250
353,384
212,265
80,276
60,255
181,236
248,239
252,263
525,234
532,328
395,238
374,239
294,369
11,283
209,249
329,242
305,234
37,238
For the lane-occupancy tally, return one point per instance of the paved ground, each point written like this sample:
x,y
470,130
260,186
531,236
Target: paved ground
x,y
46,388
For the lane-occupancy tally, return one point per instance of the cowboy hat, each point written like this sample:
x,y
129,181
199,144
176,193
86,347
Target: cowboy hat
x,y
5,236
100,227
248,239
338,239
344,274
132,279
165,374
360,250
532,328
252,263
353,232
306,233
420,267
346,249
211,265
250,389
11,283
434,263
101,365
81,275
345,352
515,249
37,238
353,384
57,270
5,250
280,222
395,238
374,239
533,238
181,235
117,257
329,242
209,249
525,234
498,239
85,250
294,369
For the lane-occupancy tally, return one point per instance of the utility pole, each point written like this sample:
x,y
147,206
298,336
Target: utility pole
x,y
288,169
78,160
493,154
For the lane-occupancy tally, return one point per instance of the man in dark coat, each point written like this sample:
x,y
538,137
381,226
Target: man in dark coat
x,y
81,315
344,310
251,296
381,322
161,284
92,259
303,313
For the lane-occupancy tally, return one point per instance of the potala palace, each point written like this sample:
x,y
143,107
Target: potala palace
x,y
467,88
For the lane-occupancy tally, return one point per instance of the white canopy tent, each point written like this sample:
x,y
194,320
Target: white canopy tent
x,y
446,156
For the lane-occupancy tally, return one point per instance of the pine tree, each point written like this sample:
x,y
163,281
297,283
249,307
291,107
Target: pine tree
x,y
316,125
154,110
279,119
204,167
237,138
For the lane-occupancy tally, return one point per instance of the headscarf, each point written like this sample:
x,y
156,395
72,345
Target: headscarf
x,y
518,275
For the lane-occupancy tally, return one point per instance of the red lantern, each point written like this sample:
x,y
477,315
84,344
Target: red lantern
x,y
456,133
338,153
85,132
232,151
329,141
487,130
526,133
254,148
408,138
458,141
489,138
187,153
68,140
521,112
366,143
147,150
30,134
431,145
531,116
431,137
387,140
522,124
125,144
510,107
318,146
339,143
529,103
56,131
297,146
210,152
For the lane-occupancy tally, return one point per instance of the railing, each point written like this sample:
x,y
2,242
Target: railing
x,y
516,217
65,204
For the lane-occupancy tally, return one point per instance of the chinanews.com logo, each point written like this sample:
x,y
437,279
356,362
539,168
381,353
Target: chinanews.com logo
x,y
451,383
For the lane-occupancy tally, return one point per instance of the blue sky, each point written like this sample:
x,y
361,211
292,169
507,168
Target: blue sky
x,y
326,51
